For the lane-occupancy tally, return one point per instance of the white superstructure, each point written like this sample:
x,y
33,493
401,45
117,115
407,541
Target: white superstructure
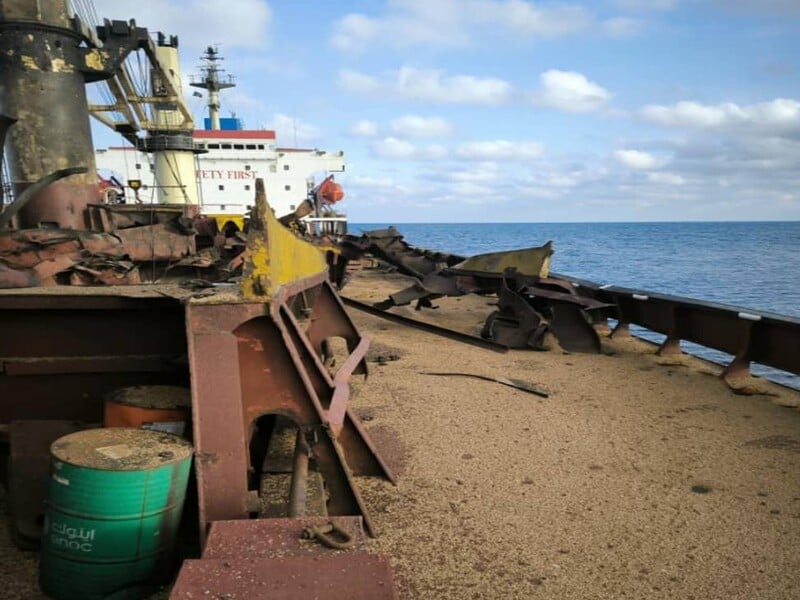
x,y
227,159
226,172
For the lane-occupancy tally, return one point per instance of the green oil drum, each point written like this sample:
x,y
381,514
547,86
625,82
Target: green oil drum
x,y
114,505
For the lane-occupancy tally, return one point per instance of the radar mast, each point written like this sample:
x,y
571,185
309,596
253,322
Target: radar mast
x,y
213,79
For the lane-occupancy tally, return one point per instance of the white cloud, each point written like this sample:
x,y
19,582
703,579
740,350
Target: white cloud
x,y
636,159
781,115
570,92
646,5
500,150
550,20
290,131
363,128
411,23
429,85
359,83
786,8
397,149
666,178
619,27
485,172
557,177
417,126
369,182
198,23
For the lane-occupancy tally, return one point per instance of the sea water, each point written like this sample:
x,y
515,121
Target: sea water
x,y
753,265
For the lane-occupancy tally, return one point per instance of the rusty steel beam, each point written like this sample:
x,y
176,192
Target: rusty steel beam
x,y
430,328
353,576
253,359
749,335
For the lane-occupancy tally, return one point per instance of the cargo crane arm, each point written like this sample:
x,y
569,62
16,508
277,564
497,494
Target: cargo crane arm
x,y
128,113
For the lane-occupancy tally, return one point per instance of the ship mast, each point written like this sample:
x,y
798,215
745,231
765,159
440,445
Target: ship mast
x,y
213,80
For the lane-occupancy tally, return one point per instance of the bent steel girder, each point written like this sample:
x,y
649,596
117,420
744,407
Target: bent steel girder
x,y
29,192
248,360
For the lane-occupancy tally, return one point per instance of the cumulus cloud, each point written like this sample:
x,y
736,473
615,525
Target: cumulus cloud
x,y
397,149
230,23
369,182
417,126
484,172
636,159
500,150
290,131
410,23
570,91
552,20
429,85
781,115
666,178
564,176
781,8
363,128
619,27
645,5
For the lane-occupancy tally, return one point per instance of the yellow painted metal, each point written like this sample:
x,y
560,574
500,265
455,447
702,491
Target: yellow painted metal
x,y
528,261
274,255
174,169
223,220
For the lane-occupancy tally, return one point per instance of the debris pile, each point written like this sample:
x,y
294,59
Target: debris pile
x,y
530,303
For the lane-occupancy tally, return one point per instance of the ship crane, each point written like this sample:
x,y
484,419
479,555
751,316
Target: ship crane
x,y
158,109
128,113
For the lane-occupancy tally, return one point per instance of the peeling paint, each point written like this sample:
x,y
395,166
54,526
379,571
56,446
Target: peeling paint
x,y
59,65
94,60
30,63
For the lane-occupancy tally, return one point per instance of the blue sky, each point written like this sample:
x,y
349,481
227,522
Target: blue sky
x,y
508,110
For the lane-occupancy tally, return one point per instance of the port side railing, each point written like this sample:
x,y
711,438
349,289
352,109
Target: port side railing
x,y
748,335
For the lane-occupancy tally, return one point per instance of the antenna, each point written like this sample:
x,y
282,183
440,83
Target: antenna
x,y
213,79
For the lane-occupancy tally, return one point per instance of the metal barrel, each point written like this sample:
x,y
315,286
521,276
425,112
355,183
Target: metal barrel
x,y
156,407
114,506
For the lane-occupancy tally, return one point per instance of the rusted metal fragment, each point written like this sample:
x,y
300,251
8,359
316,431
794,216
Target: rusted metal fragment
x,y
573,330
515,323
335,577
267,538
389,245
111,217
16,278
429,327
159,242
29,192
514,383
34,257
106,272
530,307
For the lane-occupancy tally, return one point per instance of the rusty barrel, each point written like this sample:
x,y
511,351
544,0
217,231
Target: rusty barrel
x,y
115,499
156,407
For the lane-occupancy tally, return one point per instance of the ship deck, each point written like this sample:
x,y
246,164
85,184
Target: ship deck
x,y
639,476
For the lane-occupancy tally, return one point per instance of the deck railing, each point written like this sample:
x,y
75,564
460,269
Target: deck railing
x,y
749,335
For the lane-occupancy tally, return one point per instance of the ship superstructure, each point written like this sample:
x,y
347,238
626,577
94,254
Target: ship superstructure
x,y
228,159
